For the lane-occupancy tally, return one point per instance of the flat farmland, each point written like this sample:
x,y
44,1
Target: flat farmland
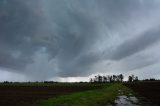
x,y
149,90
28,94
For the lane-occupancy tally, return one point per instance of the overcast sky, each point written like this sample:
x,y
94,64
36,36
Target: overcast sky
x,y
67,40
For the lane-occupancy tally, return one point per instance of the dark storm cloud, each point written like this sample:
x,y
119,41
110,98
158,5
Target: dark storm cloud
x,y
136,44
76,66
17,25
50,38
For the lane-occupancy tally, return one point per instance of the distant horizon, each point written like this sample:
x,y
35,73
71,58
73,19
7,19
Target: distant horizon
x,y
73,79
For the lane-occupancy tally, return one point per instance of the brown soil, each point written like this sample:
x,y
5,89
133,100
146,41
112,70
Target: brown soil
x,y
26,95
150,90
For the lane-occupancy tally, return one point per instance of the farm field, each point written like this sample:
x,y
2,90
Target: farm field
x,y
79,94
149,90
113,94
24,94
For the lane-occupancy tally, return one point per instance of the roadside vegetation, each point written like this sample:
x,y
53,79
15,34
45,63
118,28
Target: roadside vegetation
x,y
98,97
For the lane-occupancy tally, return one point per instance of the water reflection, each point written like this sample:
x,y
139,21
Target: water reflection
x,y
126,101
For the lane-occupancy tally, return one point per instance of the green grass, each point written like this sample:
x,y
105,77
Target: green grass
x,y
97,97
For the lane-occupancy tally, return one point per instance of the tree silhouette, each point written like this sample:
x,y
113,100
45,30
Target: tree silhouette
x,y
136,79
130,79
109,78
114,78
121,77
91,80
104,79
99,78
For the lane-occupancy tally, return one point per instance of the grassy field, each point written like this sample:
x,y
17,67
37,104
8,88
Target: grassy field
x,y
98,97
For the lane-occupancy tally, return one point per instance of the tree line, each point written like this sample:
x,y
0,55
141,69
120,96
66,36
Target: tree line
x,y
107,78
112,78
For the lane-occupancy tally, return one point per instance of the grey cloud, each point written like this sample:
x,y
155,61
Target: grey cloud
x,y
17,23
70,33
135,45
77,66
143,61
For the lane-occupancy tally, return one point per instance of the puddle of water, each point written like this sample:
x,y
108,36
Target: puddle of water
x,y
134,100
124,100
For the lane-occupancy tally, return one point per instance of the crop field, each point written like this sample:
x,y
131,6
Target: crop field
x,y
24,94
149,90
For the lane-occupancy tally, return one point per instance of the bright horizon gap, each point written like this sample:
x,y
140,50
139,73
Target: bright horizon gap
x,y
58,79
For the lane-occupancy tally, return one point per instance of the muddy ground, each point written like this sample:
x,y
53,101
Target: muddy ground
x,y
11,95
149,90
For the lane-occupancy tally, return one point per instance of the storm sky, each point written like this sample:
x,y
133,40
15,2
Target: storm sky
x,y
73,39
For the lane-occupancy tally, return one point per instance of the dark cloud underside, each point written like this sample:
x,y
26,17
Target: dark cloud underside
x,y
45,39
